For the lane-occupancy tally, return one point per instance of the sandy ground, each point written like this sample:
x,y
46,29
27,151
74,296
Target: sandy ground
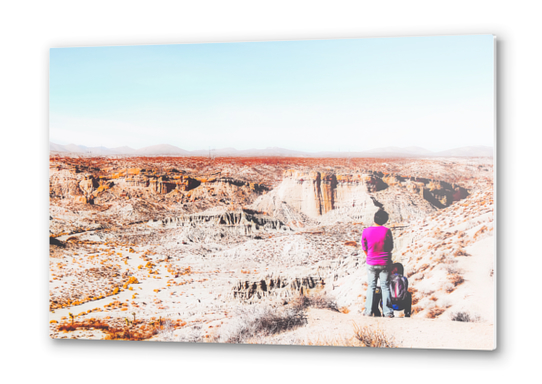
x,y
325,324
197,276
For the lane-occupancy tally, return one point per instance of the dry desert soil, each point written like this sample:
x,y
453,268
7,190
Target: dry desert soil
x,y
266,250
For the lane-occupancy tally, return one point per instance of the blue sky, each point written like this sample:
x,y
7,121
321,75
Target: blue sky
x,y
312,95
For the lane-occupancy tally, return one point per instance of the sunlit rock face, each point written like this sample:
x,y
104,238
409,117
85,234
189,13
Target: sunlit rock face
x,y
328,196
317,193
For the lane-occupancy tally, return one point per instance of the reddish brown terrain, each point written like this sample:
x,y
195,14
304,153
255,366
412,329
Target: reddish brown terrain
x,y
266,250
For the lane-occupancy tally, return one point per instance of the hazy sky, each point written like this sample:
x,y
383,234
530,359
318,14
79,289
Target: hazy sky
x,y
312,95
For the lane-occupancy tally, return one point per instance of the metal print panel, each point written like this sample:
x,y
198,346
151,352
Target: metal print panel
x,y
319,192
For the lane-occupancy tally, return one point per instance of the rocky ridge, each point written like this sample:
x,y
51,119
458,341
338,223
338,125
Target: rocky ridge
x,y
203,238
358,196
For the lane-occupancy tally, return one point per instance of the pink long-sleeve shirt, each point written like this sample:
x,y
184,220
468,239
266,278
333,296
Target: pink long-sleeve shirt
x,y
377,242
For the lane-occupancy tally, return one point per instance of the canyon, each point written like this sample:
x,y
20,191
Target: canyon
x,y
176,248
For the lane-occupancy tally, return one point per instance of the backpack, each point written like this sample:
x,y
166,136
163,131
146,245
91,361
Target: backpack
x,y
398,288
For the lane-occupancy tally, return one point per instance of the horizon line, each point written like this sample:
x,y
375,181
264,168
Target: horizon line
x,y
169,150
276,147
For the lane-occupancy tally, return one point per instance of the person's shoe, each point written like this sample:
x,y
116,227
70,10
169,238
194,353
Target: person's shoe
x,y
390,316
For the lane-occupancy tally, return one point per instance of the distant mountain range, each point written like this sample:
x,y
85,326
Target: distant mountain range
x,y
171,150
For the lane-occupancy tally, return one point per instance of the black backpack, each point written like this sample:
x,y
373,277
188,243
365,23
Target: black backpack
x,y
398,288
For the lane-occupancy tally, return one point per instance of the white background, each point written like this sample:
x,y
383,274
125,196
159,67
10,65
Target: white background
x,y
29,29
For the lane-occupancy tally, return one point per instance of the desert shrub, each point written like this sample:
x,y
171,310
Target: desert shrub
x,y
465,317
165,332
435,312
326,341
256,321
369,337
449,287
363,337
194,335
322,301
461,252
480,232
300,301
451,269
456,279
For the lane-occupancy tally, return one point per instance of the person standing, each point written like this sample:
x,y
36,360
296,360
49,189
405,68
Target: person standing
x,y
377,243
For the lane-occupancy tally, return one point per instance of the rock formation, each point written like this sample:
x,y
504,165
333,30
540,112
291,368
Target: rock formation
x,y
200,238
215,224
356,196
277,287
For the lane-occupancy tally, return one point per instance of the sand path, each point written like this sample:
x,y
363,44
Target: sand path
x,y
422,333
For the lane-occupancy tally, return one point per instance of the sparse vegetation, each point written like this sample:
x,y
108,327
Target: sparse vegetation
x,y
460,252
129,251
456,279
322,301
258,320
369,337
165,332
464,317
116,330
435,312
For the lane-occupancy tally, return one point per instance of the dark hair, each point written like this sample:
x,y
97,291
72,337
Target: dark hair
x,y
399,267
381,217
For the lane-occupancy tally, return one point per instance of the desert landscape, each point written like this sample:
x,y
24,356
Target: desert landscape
x,y
266,249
